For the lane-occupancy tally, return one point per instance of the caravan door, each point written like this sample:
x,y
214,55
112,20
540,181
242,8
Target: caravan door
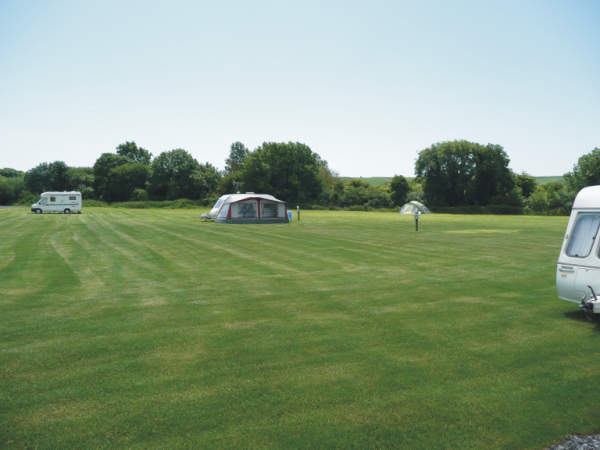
x,y
579,263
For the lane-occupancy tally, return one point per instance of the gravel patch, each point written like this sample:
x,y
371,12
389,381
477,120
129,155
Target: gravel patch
x,y
578,442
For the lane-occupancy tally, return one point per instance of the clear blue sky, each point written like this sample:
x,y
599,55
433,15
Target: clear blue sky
x,y
364,84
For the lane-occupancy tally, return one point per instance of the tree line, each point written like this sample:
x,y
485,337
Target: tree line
x,y
458,176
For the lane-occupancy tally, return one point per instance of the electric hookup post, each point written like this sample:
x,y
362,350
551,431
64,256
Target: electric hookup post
x,y
417,220
298,212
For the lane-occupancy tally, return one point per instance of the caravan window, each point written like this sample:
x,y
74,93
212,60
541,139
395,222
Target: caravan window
x,y
72,197
583,235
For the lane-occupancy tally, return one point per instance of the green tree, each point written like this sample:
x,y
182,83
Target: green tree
x,y
11,173
102,174
463,173
237,155
492,181
356,192
205,181
585,173
329,179
290,171
399,190
176,174
550,199
336,195
124,179
47,177
526,183
81,179
134,153
415,191
11,188
58,173
37,180
380,197
229,184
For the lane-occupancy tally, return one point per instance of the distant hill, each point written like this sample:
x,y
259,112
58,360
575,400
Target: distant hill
x,y
380,181
545,180
375,181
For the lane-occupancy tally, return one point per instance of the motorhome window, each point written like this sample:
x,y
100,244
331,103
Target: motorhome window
x,y
72,197
43,201
583,235
52,199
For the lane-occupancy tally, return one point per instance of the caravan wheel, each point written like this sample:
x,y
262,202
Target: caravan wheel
x,y
67,211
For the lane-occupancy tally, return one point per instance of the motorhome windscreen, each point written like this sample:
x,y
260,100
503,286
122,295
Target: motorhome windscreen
x,y
583,235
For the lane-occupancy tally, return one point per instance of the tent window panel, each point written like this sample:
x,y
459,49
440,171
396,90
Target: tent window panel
x,y
245,210
269,210
220,201
583,235
223,212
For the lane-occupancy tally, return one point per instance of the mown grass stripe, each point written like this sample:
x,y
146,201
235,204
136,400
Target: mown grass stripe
x,y
122,328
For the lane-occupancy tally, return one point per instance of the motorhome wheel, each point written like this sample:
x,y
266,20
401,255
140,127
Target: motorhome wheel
x,y
38,211
67,211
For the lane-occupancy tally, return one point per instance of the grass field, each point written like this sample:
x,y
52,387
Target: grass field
x,y
150,328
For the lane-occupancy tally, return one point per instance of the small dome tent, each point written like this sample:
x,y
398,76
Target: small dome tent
x,y
414,207
249,208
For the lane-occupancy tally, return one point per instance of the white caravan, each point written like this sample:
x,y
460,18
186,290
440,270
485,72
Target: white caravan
x,y
578,267
58,202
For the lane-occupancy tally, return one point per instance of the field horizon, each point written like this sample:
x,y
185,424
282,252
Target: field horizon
x,y
380,181
151,328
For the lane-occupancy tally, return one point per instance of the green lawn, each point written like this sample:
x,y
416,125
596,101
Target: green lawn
x,y
150,328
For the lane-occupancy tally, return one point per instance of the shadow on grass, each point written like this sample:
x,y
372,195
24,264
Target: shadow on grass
x,y
581,316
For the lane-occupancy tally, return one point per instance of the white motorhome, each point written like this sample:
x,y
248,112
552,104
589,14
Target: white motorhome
x,y
58,202
578,267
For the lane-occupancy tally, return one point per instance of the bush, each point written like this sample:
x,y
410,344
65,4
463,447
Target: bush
x,y
171,204
357,208
27,198
10,189
93,202
139,195
478,209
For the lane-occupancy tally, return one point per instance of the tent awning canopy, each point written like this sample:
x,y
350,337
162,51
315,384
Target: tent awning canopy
x,y
413,207
249,208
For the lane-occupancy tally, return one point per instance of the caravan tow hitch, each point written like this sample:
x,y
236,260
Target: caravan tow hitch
x,y
586,305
